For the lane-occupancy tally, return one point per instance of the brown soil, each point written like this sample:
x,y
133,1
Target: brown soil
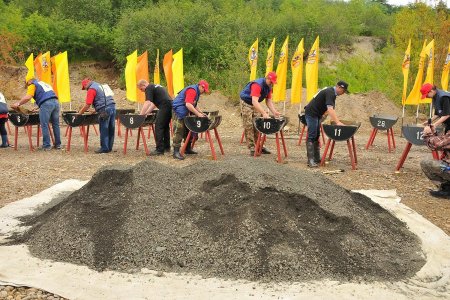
x,y
25,173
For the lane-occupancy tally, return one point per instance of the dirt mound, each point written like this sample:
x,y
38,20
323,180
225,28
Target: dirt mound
x,y
241,220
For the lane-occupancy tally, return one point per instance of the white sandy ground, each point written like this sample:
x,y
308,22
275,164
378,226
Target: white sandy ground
x,y
19,268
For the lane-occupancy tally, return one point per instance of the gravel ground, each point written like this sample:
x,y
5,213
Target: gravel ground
x,y
226,220
24,293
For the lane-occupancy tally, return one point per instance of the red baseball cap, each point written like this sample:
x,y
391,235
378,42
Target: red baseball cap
x,y
204,84
425,89
272,76
84,83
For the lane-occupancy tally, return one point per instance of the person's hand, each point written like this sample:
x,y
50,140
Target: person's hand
x,y
276,114
265,115
428,130
15,105
425,123
339,123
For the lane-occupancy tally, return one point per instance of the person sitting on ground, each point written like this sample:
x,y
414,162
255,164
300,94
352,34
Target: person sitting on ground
x,y
323,102
186,102
438,171
157,96
441,104
48,104
101,97
253,93
3,120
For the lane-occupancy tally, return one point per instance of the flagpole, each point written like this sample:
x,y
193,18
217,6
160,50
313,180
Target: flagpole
x,y
417,113
403,116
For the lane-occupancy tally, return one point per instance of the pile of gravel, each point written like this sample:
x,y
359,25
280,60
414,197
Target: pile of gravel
x,y
238,218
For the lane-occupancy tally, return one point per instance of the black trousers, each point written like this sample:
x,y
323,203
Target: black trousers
x,y
162,127
2,126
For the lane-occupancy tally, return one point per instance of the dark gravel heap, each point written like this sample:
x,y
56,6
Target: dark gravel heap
x,y
238,218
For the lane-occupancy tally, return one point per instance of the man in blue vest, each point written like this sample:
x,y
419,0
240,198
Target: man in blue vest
x,y
47,101
441,104
101,98
253,93
186,103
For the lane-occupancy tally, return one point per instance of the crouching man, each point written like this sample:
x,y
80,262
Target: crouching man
x,y
438,171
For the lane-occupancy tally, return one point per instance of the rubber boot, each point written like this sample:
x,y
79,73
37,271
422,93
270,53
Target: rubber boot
x,y
317,157
177,154
4,141
442,192
189,150
310,154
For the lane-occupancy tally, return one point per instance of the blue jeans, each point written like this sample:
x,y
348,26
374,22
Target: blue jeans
x,y
107,128
313,124
49,112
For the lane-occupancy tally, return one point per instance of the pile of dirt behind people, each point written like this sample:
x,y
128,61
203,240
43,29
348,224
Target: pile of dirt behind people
x,y
240,220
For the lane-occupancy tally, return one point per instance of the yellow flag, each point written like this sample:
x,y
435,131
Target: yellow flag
x,y
405,70
141,73
156,79
38,66
444,78
270,57
55,78
62,73
30,66
167,65
253,59
297,74
177,72
415,95
42,65
279,89
312,71
130,76
429,50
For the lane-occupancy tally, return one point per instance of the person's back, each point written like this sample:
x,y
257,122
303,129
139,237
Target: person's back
x,y
318,105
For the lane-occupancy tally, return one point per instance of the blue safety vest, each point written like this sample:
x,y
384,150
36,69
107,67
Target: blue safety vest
x,y
43,92
246,92
100,101
179,104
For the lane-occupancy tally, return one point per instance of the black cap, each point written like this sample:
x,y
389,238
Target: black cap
x,y
343,85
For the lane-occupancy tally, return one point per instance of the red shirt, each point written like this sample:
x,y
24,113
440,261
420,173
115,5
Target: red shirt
x,y
190,96
3,116
255,91
91,93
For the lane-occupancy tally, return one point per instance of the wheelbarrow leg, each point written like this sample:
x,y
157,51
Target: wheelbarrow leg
x,y
331,150
126,141
403,157
144,141
186,141
277,141
69,139
216,133
284,143
350,153
211,144
354,150
16,134
324,155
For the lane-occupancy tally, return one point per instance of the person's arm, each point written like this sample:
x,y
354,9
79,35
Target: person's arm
x,y
189,100
333,116
30,93
147,108
193,110
441,120
91,93
270,105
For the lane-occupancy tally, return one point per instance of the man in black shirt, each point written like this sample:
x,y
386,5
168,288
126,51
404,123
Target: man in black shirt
x,y
322,103
157,96
441,104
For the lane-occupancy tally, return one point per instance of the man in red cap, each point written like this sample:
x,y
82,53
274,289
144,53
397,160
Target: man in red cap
x,y
440,102
101,97
252,95
185,103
